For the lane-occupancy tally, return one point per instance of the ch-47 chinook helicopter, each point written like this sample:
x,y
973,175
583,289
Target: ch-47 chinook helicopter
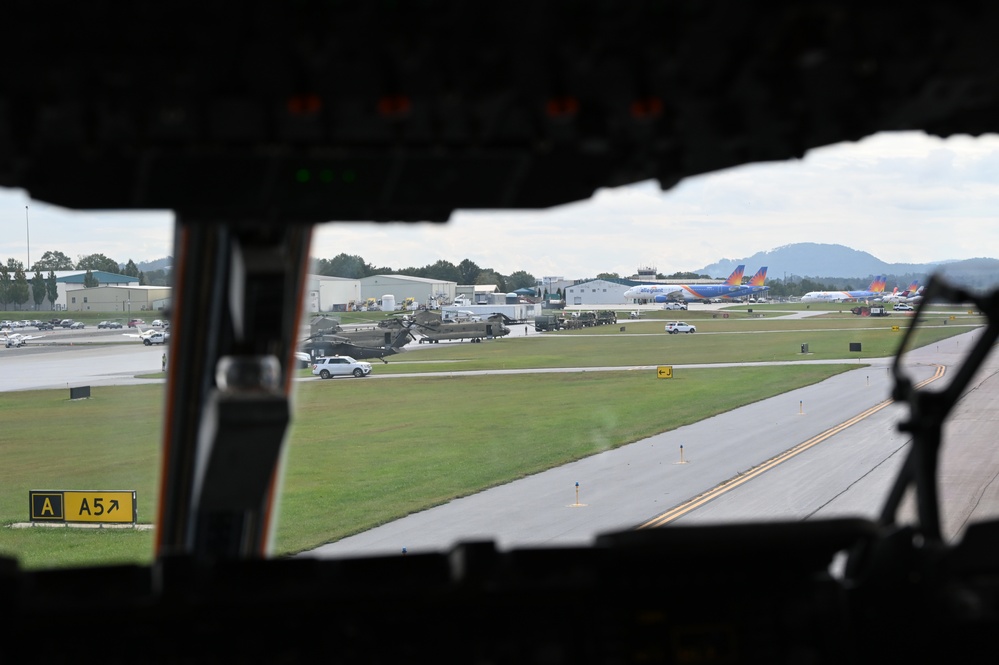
x,y
387,339
433,329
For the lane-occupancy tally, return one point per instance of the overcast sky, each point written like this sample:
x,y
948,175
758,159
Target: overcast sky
x,y
903,197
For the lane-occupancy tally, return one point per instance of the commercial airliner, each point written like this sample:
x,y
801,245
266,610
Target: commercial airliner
x,y
731,287
875,290
757,282
912,294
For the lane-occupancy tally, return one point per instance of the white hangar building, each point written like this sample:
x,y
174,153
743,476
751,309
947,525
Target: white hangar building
x,y
332,294
421,289
597,292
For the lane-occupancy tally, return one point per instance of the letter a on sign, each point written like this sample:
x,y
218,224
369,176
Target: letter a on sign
x,y
46,506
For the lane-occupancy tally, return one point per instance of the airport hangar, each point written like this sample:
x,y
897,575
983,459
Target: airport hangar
x,y
598,292
421,289
69,287
340,294
124,300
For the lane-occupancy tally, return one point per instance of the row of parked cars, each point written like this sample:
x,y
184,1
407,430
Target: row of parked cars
x,y
7,324
51,324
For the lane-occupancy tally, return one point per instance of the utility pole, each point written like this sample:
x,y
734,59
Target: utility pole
x,y
27,231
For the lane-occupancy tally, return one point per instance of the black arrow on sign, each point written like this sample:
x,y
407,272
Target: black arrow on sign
x,y
114,505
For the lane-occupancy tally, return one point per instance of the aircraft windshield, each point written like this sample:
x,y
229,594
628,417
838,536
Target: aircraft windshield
x,y
489,379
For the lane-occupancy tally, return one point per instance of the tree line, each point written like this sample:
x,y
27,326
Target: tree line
x,y
17,288
351,266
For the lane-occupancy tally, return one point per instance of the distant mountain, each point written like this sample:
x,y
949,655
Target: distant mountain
x,y
823,262
817,261
158,264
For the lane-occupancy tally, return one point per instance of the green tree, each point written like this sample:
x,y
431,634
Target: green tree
x,y
19,289
155,278
142,279
343,265
490,276
5,285
51,289
608,275
131,269
89,280
521,279
54,261
469,271
38,288
411,271
97,262
444,271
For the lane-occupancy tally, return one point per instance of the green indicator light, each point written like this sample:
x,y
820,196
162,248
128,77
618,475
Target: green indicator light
x,y
326,175
349,175
303,175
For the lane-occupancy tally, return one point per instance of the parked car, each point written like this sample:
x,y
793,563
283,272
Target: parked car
x,y
676,305
134,323
302,359
903,307
331,366
675,327
66,323
156,323
45,325
77,325
109,324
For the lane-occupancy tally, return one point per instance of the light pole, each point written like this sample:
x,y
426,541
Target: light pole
x,y
27,232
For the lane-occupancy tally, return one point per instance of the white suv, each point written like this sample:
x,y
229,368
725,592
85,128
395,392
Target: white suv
x,y
676,305
903,307
675,327
331,366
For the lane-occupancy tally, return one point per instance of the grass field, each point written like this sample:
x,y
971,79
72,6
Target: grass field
x,y
361,453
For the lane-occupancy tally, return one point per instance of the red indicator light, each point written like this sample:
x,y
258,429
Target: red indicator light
x,y
558,107
645,108
394,105
304,104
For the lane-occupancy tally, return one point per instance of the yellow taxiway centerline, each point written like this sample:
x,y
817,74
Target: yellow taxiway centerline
x,y
698,501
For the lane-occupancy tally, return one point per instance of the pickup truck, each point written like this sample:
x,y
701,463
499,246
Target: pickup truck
x,y
156,338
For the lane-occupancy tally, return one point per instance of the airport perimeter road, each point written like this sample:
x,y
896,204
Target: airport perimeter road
x,y
847,472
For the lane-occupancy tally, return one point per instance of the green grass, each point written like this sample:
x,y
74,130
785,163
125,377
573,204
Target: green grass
x,y
107,442
361,453
645,343
390,448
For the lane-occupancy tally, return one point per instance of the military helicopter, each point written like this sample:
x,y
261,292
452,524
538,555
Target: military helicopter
x,y
386,340
433,329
